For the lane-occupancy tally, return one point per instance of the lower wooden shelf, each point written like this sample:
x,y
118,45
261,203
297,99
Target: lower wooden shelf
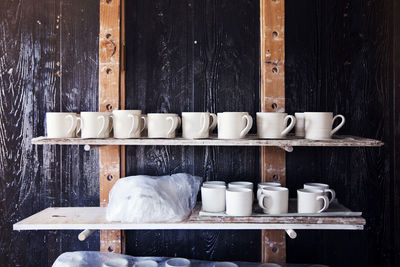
x,y
79,218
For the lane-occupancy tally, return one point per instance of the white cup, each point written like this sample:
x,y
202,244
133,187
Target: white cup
x,y
260,186
299,127
274,200
177,262
311,201
213,197
318,125
214,183
225,264
274,124
234,125
95,124
162,125
323,187
62,124
127,123
239,201
198,124
241,184
146,263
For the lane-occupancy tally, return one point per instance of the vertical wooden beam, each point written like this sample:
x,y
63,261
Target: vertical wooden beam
x,y
110,98
273,160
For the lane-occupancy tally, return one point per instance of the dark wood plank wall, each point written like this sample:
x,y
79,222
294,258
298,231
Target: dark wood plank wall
x,y
202,55
48,62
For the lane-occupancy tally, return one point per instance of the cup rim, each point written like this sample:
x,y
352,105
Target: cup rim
x,y
127,110
195,112
98,112
158,114
239,190
62,113
315,112
274,189
317,184
240,183
268,184
310,190
267,113
215,182
215,186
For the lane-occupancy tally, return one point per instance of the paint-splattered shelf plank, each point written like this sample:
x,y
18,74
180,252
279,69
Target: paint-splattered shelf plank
x,y
94,218
252,140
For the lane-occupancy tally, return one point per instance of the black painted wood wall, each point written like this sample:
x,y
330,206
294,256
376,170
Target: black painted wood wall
x,y
341,56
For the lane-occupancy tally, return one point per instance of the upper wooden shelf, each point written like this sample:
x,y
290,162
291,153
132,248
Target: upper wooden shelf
x,y
251,140
94,218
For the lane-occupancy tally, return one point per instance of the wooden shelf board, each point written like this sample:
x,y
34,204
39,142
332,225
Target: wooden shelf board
x,y
79,218
252,140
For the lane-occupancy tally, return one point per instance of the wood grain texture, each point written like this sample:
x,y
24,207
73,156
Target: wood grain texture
x,y
193,56
39,74
272,96
341,60
109,99
95,218
250,140
341,56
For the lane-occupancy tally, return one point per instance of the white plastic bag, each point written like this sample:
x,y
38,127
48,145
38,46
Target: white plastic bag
x,y
144,198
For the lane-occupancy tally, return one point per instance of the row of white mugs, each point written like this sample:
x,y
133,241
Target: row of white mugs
x,y
231,125
237,198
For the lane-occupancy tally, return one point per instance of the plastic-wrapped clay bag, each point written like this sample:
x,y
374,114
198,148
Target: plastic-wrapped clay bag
x,y
144,198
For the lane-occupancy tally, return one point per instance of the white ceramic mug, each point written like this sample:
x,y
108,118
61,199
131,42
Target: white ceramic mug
x,y
239,201
162,125
260,186
213,197
318,125
299,127
274,200
62,124
127,123
234,125
95,124
274,124
177,262
323,187
311,201
241,184
198,124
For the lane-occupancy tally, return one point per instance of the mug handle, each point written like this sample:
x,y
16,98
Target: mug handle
x,y
205,127
78,129
74,122
143,118
174,124
326,203
261,201
333,193
135,123
340,124
214,122
291,125
249,123
102,129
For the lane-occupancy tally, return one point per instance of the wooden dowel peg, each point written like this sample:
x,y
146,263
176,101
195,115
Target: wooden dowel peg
x,y
90,147
291,233
85,234
287,148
